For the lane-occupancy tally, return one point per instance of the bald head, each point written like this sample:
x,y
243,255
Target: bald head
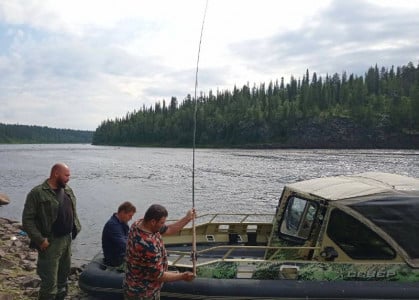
x,y
60,175
58,167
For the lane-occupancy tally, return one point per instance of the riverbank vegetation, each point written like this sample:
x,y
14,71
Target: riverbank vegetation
x,y
24,134
377,110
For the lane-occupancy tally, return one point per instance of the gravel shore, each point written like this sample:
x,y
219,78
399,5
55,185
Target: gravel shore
x,y
18,278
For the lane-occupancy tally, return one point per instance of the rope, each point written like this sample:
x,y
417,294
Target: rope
x,y
193,254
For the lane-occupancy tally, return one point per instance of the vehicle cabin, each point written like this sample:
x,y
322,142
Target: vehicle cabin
x,y
367,218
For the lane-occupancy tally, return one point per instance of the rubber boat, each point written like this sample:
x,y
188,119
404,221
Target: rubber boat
x,y
340,237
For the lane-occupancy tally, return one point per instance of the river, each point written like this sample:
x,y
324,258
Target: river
x,y
226,180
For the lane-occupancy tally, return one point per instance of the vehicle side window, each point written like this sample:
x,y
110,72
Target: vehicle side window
x,y
298,218
357,240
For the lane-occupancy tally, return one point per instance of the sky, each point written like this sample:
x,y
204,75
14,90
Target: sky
x,y
76,63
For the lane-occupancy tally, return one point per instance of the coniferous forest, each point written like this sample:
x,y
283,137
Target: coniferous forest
x,y
377,110
24,134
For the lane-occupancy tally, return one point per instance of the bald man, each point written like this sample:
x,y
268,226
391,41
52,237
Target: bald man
x,y
50,219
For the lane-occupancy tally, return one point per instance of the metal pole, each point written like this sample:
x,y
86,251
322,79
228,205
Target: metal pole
x,y
193,254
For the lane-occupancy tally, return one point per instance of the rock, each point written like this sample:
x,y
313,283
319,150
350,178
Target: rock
x,y
33,293
4,199
6,264
32,256
29,281
341,132
17,244
28,265
21,256
75,270
8,244
18,278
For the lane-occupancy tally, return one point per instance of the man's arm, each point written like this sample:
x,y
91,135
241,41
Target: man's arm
x,y
177,226
176,276
28,220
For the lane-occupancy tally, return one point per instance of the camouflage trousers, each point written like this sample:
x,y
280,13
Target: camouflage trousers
x,y
156,296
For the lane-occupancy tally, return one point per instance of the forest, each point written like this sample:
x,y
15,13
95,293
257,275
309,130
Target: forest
x,y
379,109
24,134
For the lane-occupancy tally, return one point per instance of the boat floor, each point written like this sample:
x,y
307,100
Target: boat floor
x,y
181,255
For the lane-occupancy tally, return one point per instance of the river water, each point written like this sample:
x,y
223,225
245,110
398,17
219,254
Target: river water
x,y
226,180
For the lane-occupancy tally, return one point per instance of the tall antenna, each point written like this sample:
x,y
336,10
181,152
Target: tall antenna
x,y
193,254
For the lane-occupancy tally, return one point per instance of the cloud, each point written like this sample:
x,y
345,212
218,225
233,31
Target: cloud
x,y
347,35
74,64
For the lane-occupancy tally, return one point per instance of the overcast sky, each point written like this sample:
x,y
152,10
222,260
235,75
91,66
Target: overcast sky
x,y
75,63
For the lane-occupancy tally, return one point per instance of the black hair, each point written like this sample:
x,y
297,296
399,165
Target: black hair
x,y
155,212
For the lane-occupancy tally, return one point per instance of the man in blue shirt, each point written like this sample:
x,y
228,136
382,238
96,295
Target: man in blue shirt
x,y
115,233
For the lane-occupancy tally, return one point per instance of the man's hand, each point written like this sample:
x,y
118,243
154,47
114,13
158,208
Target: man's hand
x,y
191,214
44,245
188,276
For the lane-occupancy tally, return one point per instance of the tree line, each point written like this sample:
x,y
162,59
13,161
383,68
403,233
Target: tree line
x,y
384,97
25,134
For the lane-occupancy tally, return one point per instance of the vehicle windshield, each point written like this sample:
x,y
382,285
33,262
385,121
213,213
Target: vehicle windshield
x,y
298,218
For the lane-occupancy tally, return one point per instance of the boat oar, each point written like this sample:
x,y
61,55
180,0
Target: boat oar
x,y
193,254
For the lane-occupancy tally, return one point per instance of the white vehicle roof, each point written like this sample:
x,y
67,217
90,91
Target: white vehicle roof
x,y
359,185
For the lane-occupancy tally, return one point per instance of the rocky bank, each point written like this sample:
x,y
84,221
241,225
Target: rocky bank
x,y
18,278
344,133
